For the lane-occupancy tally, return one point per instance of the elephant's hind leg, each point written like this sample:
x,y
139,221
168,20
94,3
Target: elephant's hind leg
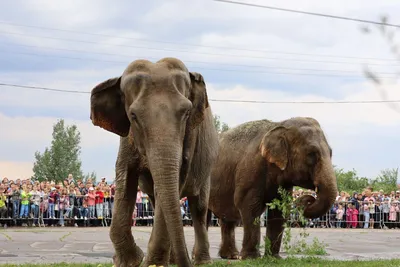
x,y
250,212
228,248
198,206
127,253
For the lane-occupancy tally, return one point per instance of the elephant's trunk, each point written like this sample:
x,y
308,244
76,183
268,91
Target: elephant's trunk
x,y
325,182
164,159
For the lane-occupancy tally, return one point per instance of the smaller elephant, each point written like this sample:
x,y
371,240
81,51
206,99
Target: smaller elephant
x,y
254,160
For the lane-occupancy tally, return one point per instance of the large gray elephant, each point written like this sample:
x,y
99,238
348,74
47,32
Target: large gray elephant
x,y
254,160
168,142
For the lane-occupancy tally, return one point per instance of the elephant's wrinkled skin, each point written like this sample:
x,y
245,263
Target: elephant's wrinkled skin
x,y
168,143
254,159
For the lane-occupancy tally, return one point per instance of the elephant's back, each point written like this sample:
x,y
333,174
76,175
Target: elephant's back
x,y
244,135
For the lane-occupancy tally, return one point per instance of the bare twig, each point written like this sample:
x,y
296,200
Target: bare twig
x,y
389,35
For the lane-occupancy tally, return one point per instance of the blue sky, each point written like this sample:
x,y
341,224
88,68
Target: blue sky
x,y
241,52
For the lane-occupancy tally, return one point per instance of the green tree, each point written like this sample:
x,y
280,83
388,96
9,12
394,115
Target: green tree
x,y
386,180
62,157
349,181
220,126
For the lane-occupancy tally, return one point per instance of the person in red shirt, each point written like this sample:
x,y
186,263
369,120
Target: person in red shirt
x,y
91,197
99,202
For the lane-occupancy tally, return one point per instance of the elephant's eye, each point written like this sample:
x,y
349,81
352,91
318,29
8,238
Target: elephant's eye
x,y
312,158
133,116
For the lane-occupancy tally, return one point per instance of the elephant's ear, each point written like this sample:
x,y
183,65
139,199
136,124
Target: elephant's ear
x,y
199,98
107,108
274,147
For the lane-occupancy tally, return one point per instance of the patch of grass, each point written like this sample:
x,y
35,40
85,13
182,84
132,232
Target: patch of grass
x,y
289,262
308,261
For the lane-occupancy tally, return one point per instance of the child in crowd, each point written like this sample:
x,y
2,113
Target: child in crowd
x,y
106,207
371,207
3,208
349,215
385,211
15,197
99,202
366,214
91,202
339,216
393,214
25,195
84,210
35,202
354,216
52,201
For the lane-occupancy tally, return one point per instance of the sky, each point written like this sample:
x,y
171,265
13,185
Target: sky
x,y
243,53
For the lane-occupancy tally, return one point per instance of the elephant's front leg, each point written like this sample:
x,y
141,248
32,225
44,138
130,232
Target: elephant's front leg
x,y
198,206
171,255
127,253
158,251
228,248
274,232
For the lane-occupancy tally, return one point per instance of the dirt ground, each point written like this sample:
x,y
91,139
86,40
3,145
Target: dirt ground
x,y
81,245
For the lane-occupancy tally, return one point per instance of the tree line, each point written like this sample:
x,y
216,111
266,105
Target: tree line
x,y
350,182
62,157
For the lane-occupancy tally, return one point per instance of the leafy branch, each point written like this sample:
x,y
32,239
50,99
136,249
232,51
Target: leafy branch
x,y
289,210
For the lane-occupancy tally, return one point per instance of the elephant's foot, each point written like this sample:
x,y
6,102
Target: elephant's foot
x,y
231,253
129,259
148,263
172,258
253,254
159,258
202,260
201,257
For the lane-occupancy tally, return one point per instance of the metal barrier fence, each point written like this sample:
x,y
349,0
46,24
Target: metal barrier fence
x,y
378,216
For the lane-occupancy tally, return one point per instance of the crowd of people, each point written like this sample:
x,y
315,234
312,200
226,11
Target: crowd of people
x,y
368,209
79,203
73,203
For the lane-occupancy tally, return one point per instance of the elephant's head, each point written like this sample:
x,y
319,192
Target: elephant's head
x,y
299,149
158,105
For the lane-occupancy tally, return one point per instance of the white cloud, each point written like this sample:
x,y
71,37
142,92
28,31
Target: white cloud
x,y
34,134
336,115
